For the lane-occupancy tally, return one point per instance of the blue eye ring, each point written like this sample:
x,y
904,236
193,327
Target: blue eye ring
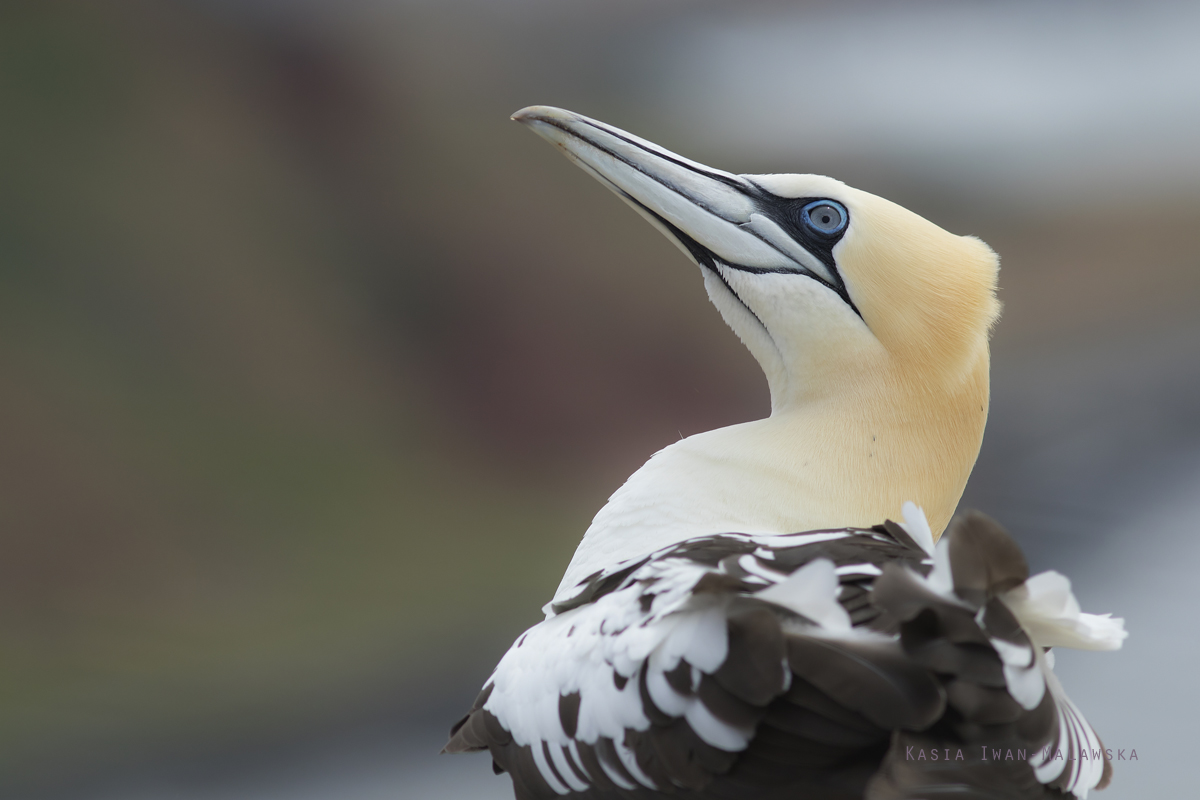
x,y
825,224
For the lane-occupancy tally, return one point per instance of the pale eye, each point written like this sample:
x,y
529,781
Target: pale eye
x,y
824,216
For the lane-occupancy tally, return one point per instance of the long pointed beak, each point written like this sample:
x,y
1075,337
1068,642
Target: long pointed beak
x,y
717,218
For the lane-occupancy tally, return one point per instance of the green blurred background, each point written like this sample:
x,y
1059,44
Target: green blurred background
x,y
315,366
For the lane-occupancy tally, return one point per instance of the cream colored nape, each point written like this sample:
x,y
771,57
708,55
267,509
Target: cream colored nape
x,y
867,412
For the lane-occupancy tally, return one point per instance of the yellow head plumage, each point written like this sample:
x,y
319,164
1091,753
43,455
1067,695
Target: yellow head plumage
x,y
870,323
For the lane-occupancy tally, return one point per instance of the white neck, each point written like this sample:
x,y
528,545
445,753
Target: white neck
x,y
848,459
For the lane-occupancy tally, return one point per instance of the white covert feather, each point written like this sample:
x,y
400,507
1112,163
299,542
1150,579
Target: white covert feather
x,y
1022,673
811,592
940,579
916,526
1050,614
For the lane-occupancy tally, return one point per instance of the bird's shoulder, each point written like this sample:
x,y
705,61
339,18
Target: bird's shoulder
x,y
808,662
743,477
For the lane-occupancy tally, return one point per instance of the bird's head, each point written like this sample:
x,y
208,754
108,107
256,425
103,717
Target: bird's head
x,y
828,286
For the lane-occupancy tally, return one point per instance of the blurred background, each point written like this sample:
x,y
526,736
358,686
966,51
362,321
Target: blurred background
x,y
316,367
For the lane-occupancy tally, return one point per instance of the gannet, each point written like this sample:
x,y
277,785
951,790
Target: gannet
x,y
742,619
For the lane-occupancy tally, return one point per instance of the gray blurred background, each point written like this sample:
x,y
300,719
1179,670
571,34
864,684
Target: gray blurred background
x,y
315,366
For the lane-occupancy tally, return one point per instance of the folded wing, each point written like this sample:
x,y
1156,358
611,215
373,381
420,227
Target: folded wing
x,y
820,664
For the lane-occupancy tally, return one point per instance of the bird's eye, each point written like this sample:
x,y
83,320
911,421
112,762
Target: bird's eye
x,y
824,216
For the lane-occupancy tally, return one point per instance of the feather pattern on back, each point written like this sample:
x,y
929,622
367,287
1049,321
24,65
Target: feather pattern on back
x,y
809,665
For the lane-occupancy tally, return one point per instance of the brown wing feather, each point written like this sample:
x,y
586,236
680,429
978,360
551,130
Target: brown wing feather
x,y
834,717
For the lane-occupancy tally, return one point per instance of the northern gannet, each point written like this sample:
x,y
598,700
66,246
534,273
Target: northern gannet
x,y
739,621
